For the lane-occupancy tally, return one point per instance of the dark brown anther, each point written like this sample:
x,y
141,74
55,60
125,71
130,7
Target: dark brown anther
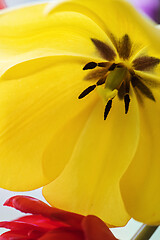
x,y
101,81
107,108
90,65
134,80
112,67
127,86
87,91
126,101
121,91
103,64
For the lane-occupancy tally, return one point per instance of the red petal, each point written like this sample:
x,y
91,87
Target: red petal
x,y
20,227
95,229
13,236
40,221
35,234
33,225
32,205
27,204
63,234
2,4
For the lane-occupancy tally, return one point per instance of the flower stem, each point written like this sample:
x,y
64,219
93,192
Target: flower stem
x,y
145,232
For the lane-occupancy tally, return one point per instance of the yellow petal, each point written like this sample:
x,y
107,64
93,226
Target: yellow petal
x,y
27,33
60,148
32,109
140,183
89,184
117,17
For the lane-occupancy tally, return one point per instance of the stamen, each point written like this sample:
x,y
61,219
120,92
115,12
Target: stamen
x,y
87,91
90,65
145,63
107,108
96,74
112,67
126,101
127,83
105,50
101,81
121,91
103,64
117,77
136,82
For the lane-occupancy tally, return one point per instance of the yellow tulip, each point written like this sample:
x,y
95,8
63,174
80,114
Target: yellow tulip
x,y
80,103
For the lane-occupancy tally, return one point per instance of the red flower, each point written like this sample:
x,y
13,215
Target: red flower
x,y
2,4
48,223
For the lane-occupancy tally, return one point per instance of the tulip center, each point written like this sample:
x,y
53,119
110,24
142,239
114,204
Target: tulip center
x,y
117,74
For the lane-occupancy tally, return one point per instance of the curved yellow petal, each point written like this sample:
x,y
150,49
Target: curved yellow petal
x,y
32,110
60,148
89,184
116,18
27,33
30,67
140,183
